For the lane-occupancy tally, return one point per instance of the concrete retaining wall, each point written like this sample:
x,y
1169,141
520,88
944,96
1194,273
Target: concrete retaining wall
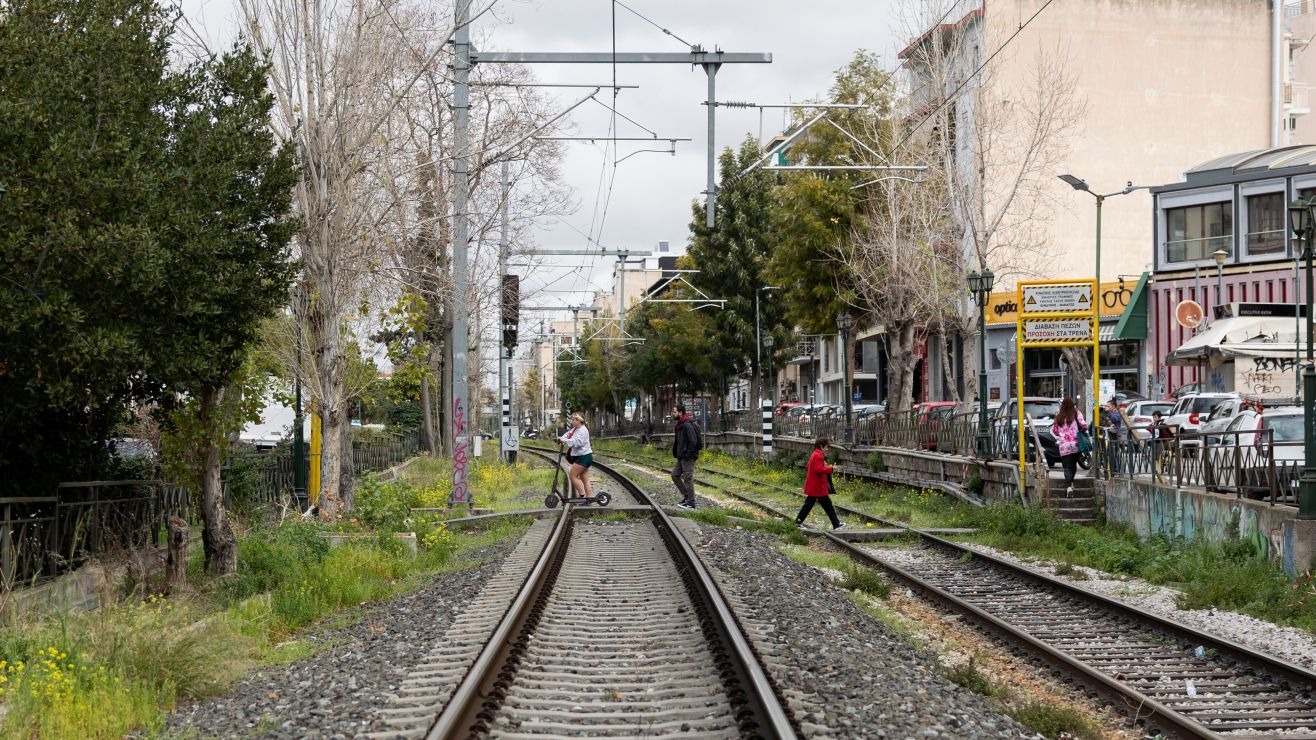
x,y
1153,509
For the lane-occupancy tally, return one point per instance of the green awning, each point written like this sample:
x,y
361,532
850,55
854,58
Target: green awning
x,y
1133,322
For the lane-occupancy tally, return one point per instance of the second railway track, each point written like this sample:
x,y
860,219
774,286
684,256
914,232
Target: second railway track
x,y
1175,679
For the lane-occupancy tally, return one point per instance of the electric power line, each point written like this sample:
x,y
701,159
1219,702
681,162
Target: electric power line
x,y
655,25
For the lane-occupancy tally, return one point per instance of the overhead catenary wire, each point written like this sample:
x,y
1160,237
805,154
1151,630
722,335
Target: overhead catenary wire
x,y
641,16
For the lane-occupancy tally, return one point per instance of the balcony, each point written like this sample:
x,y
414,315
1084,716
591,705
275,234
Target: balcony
x,y
1194,250
1294,8
1297,98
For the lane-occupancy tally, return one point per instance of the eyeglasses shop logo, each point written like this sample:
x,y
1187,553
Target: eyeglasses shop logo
x,y
1007,307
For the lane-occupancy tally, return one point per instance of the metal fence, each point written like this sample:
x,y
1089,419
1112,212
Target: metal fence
x,y
1246,464
43,536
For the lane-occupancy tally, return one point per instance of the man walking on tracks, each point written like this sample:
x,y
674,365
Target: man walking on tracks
x,y
686,444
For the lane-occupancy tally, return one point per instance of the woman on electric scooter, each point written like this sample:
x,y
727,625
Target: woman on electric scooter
x,y
577,441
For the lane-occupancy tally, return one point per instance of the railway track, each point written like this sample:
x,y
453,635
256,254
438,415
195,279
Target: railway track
x,y
1170,677
593,629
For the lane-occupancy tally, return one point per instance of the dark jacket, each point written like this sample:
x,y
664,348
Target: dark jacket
x,y
685,442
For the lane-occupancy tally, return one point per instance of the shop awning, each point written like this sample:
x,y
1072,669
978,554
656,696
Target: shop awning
x,y
1133,322
1240,336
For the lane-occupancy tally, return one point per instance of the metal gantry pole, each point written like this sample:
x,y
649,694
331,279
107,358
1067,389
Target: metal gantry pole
x,y
710,69
458,337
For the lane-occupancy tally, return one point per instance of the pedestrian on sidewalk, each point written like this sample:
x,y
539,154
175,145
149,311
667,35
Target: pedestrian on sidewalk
x,y
818,484
686,444
1066,426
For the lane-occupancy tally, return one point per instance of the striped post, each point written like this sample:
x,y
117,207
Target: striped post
x,y
509,455
767,428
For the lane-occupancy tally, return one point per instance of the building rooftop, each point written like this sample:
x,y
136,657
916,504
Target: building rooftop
x,y
1255,164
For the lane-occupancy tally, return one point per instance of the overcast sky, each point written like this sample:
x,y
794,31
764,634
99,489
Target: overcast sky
x,y
650,194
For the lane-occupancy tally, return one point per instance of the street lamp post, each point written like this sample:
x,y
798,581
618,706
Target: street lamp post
x,y
980,285
1220,256
1302,221
845,322
768,341
1080,184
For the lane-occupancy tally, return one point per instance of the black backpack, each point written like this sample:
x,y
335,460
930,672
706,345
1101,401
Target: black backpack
x,y
698,445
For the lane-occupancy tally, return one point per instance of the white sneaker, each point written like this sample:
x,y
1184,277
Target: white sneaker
x,y
1070,489
684,505
839,527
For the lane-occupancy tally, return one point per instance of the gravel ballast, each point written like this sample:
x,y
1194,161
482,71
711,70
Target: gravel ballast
x,y
1286,643
336,692
845,675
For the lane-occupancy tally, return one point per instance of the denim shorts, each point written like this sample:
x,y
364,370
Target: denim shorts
x,y
584,461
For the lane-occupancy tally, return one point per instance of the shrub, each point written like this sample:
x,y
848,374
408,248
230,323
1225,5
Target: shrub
x,y
876,463
974,483
974,680
866,580
384,505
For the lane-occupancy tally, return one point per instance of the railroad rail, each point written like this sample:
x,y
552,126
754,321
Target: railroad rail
x,y
1170,677
590,631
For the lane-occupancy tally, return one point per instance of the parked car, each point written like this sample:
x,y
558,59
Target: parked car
x,y
929,414
1285,425
866,411
1220,418
1124,398
1284,446
1186,389
1140,414
1192,411
783,409
1041,410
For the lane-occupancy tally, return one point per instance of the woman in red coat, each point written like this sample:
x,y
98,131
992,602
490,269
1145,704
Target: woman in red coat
x,y
817,477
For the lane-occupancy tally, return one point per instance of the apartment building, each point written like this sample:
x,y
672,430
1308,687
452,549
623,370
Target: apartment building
x,y
1156,84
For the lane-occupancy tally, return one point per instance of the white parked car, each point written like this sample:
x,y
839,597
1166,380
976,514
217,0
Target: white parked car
x,y
1285,425
1140,413
1220,418
1192,411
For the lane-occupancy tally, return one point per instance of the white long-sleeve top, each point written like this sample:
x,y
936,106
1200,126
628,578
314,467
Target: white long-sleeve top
x,y
577,440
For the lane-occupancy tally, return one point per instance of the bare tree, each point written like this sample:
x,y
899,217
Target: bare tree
x,y
332,77
996,146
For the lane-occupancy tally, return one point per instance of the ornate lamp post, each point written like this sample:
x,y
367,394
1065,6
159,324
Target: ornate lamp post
x,y
768,377
980,285
845,322
1303,222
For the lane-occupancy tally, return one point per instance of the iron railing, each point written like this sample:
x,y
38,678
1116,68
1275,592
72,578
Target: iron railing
x,y
1246,464
43,536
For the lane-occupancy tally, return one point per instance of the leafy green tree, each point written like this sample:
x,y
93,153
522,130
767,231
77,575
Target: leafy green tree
x,y
814,214
228,229
731,257
146,238
83,94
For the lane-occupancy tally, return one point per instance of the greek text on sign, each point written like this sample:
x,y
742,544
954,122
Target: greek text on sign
x,y
1067,331
1057,298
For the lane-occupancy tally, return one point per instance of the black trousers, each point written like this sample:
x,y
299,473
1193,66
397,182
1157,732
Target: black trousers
x,y
1069,463
826,502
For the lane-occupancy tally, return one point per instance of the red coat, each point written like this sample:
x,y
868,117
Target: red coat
x,y
815,475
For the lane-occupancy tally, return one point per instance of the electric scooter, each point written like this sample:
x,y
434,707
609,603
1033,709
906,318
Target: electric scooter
x,y
554,497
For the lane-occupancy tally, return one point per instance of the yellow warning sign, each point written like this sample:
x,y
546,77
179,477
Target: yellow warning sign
x,y
1057,298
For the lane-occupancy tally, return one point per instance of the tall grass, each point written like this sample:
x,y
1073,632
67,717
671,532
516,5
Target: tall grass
x,y
1227,575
